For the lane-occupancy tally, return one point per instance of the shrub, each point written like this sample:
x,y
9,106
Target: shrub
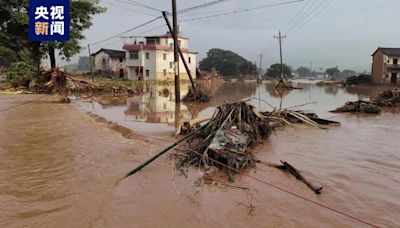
x,y
20,73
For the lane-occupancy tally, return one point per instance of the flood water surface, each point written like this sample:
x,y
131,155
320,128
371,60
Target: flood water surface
x,y
61,168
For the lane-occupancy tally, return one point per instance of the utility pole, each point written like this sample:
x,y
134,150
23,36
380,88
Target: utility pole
x,y
280,37
90,63
261,55
180,52
176,54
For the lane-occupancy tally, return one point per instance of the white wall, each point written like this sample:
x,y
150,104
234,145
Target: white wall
x,y
111,64
156,64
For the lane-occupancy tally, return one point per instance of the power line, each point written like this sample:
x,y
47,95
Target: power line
x,y
312,17
293,20
244,10
139,33
129,30
202,6
129,9
144,6
308,10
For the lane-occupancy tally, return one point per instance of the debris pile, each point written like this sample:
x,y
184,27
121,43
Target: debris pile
x,y
359,106
362,78
208,75
389,98
228,138
196,96
285,84
303,117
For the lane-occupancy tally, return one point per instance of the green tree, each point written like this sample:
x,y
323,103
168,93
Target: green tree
x,y
334,73
14,30
14,45
247,68
228,69
304,72
275,70
228,63
347,73
82,12
84,63
20,73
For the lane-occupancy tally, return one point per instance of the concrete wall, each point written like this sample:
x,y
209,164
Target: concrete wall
x,y
156,64
380,73
378,69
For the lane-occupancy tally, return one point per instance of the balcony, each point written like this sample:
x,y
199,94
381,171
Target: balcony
x,y
393,66
142,46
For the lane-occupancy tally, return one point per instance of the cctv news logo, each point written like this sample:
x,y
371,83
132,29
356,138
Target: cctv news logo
x,y
49,20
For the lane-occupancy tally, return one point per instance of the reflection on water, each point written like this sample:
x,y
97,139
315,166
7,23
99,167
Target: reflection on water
x,y
157,105
155,110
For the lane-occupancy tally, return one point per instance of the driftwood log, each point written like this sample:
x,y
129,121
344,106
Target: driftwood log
x,y
289,168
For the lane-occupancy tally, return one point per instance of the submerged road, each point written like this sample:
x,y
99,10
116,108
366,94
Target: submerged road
x,y
61,168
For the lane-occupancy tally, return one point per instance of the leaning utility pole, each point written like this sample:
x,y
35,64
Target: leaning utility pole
x,y
180,52
176,54
261,55
280,37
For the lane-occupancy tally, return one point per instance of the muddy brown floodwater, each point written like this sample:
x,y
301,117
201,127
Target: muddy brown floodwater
x,y
60,167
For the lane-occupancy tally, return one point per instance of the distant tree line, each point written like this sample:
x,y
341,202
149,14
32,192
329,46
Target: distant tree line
x,y
334,73
228,63
274,71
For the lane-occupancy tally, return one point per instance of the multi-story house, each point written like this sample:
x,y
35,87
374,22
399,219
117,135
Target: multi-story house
x,y
386,66
152,58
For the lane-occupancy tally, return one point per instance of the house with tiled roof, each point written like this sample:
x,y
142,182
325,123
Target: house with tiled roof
x,y
109,62
386,66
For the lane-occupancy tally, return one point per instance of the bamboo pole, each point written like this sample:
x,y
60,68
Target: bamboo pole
x,y
164,151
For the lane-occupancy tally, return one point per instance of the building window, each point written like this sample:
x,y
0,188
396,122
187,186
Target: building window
x,y
147,55
165,72
171,65
147,73
171,46
134,55
121,60
165,56
395,61
190,60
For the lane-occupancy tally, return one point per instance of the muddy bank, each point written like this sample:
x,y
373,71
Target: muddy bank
x,y
60,167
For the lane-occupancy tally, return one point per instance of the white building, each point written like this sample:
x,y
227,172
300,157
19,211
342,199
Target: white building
x,y
152,58
109,62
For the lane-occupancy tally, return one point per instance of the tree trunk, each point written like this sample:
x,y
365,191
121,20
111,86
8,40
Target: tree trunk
x,y
52,56
36,54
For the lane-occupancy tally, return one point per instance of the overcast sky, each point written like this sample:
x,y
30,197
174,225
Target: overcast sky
x,y
325,33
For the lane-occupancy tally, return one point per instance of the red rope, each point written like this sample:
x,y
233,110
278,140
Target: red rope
x,y
277,187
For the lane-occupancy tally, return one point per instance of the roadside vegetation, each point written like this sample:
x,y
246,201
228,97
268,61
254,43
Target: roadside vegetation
x,y
22,57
